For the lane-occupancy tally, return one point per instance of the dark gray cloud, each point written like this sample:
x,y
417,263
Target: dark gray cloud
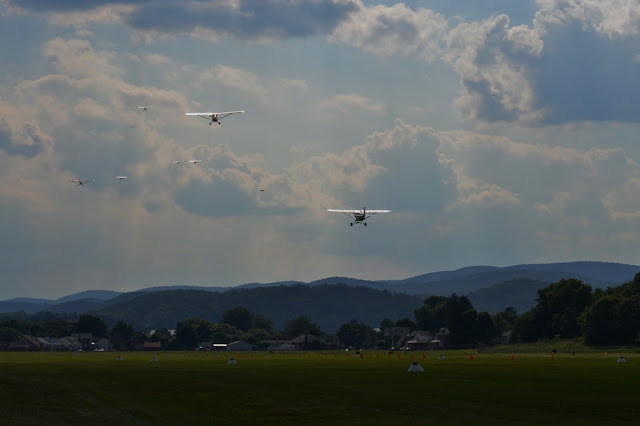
x,y
251,20
248,19
414,180
69,5
27,143
554,73
218,198
585,75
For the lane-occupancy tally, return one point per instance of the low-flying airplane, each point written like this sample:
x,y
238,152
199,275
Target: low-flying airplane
x,y
121,178
144,108
359,216
81,182
177,161
194,161
214,117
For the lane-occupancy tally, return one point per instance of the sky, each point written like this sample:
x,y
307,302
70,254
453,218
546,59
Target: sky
x,y
498,132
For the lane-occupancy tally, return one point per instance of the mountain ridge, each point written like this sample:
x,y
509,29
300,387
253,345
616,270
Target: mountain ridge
x,y
475,281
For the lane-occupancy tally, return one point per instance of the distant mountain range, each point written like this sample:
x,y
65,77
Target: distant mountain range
x,y
489,288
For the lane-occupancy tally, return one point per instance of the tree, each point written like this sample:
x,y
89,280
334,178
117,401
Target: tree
x,y
92,324
186,337
225,333
485,330
406,322
301,325
460,319
505,320
432,315
260,321
120,335
386,323
239,317
8,334
356,334
255,335
524,329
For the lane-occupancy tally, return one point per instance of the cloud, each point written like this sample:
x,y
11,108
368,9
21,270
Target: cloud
x,y
573,65
384,30
576,62
229,77
493,63
77,58
622,202
294,84
157,59
252,20
342,104
28,141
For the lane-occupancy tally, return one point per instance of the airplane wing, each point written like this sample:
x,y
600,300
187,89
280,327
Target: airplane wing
x,y
214,115
121,177
345,210
355,212
358,211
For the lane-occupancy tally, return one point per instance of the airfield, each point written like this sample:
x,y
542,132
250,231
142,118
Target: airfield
x,y
338,387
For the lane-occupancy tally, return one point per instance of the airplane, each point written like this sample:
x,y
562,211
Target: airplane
x,y
121,178
194,161
359,216
81,182
144,108
177,161
214,117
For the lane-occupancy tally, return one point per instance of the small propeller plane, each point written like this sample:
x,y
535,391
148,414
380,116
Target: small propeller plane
x,y
194,161
214,117
177,161
144,108
81,182
359,216
121,178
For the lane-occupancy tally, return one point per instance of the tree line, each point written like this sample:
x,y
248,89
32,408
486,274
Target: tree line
x,y
568,308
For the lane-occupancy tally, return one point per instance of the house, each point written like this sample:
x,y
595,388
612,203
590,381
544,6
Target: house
x,y
278,345
441,338
85,339
219,347
20,345
152,346
104,344
419,340
70,343
306,341
239,346
138,340
504,338
393,334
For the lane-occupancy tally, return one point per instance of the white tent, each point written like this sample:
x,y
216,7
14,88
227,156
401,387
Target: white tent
x,y
415,368
232,362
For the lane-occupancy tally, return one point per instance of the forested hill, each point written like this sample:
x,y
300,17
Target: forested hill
x,y
489,287
328,305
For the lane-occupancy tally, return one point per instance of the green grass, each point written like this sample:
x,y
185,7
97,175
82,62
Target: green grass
x,y
312,388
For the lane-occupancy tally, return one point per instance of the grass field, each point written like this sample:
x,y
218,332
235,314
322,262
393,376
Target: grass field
x,y
314,388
